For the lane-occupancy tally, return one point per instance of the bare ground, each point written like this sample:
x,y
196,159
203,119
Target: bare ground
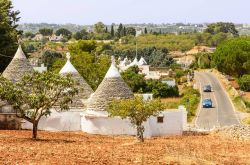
x,y
16,147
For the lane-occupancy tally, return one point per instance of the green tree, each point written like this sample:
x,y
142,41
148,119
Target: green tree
x,y
204,60
224,27
233,57
46,31
119,31
49,57
134,80
112,32
99,27
160,89
136,110
83,46
35,94
81,35
145,31
29,35
8,32
131,31
65,32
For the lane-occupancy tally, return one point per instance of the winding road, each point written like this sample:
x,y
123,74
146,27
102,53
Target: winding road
x,y
222,113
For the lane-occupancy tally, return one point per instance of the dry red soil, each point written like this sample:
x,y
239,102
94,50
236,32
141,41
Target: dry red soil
x,y
16,147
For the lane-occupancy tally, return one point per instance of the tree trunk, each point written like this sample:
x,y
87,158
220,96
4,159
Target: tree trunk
x,y
140,131
35,126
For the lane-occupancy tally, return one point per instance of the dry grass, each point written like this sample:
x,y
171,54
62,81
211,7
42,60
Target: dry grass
x,y
16,147
171,103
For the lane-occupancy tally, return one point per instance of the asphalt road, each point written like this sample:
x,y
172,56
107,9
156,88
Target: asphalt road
x,y
222,113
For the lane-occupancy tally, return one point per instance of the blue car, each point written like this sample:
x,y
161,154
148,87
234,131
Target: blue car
x,y
207,103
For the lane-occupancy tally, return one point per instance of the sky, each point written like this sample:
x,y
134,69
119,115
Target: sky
x,y
86,12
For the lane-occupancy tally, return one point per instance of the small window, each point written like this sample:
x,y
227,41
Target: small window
x,y
160,119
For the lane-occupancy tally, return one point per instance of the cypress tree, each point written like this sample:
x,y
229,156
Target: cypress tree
x,y
145,31
112,31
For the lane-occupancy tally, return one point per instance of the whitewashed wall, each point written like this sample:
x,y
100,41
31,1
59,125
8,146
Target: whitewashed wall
x,y
174,123
58,121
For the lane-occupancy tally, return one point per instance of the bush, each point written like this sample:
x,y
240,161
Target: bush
x,y
160,89
244,82
191,101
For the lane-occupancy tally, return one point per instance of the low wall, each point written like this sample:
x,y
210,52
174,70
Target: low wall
x,y
174,122
58,121
9,121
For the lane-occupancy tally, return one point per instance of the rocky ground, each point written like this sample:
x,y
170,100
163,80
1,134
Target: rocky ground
x,y
16,147
241,132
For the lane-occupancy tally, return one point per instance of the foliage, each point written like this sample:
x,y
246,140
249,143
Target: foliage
x,y
160,89
81,35
99,27
233,57
155,57
244,82
136,110
204,60
191,99
65,32
135,81
49,57
138,84
35,94
29,35
29,48
83,46
224,27
8,32
46,31
130,31
89,64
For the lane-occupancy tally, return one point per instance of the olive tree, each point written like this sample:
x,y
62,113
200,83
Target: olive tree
x,y
34,95
137,110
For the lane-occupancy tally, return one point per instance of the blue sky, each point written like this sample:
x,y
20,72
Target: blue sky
x,y
132,11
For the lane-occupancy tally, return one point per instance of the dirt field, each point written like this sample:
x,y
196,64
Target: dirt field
x,y
16,147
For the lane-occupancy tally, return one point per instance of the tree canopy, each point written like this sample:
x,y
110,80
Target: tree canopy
x,y
99,27
224,27
46,31
233,57
8,32
64,32
35,94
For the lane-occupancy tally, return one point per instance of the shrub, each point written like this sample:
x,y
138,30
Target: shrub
x,y
244,82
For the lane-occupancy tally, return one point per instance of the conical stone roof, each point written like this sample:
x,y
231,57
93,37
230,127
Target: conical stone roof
x,y
84,90
112,86
18,66
142,61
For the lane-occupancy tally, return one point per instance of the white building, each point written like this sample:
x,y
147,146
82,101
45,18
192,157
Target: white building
x,y
96,120
66,120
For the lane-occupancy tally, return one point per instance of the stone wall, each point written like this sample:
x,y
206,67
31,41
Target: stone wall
x,y
9,121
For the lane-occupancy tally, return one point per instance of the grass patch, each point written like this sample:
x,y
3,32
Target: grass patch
x,y
239,104
246,120
171,103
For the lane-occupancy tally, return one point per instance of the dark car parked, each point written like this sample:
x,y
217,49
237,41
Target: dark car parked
x,y
207,88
